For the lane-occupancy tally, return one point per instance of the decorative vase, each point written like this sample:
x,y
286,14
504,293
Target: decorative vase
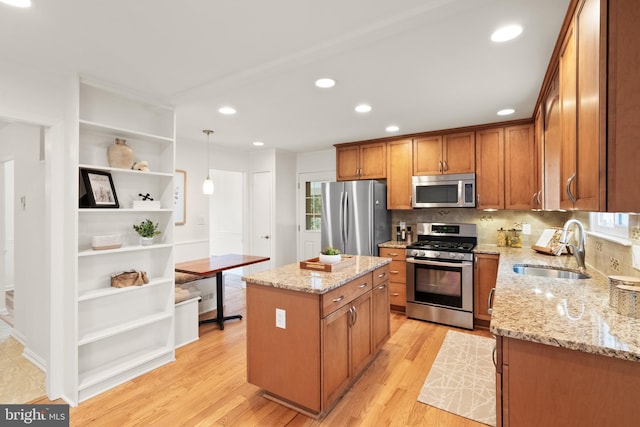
x,y
146,241
120,155
330,259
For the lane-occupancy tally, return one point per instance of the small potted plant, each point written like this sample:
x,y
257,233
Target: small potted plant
x,y
147,231
330,256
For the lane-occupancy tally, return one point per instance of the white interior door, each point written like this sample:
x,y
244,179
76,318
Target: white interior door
x,y
309,212
261,211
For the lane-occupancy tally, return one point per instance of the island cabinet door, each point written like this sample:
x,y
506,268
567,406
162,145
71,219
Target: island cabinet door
x,y
336,369
380,313
361,334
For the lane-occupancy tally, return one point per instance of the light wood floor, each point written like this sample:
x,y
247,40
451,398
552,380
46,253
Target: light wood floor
x,y
206,385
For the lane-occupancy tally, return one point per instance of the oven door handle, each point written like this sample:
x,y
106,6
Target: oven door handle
x,y
439,263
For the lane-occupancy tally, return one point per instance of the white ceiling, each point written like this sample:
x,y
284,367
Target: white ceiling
x,y
422,64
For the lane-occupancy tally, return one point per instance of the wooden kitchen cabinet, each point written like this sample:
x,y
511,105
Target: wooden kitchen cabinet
x,y
582,111
520,167
399,166
538,136
347,346
326,343
506,168
542,385
397,277
490,169
380,322
484,280
444,154
361,161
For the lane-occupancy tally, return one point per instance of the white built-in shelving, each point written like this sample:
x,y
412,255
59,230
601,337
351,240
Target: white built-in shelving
x,y
121,333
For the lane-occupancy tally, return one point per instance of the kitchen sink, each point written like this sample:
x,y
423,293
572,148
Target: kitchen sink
x,y
546,271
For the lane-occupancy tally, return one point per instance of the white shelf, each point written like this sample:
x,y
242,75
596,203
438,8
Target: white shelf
x,y
118,366
124,171
132,248
102,333
86,125
121,333
111,291
107,210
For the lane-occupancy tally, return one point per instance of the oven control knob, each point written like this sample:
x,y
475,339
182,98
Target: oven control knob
x,y
436,254
415,253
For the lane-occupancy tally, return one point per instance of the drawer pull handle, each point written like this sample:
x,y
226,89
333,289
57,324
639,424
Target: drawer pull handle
x,y
392,254
340,298
381,287
364,285
382,275
395,294
394,272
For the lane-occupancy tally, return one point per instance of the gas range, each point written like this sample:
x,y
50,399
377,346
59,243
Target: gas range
x,y
444,241
440,274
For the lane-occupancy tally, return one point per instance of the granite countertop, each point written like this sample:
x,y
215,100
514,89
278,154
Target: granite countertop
x,y
568,313
393,244
294,278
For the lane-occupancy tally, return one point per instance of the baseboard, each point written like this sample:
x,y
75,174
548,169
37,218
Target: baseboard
x,y
35,359
19,337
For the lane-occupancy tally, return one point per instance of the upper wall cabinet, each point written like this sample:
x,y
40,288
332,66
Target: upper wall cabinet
x,y
623,105
446,154
361,161
506,168
399,160
581,101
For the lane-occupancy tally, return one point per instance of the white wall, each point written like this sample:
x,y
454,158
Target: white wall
x,y
192,238
316,161
38,97
31,281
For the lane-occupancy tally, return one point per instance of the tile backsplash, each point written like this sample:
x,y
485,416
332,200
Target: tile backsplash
x,y
606,256
488,222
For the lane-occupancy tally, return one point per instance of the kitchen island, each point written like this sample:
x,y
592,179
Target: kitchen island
x,y
311,334
564,357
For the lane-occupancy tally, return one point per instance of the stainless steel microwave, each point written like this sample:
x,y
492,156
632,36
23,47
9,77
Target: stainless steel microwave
x,y
444,191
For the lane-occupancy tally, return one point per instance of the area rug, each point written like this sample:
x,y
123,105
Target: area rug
x,y
462,379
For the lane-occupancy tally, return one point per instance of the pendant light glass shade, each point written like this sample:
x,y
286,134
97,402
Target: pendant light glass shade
x,y
207,185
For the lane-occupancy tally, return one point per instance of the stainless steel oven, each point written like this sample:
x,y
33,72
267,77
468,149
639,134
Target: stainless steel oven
x,y
440,274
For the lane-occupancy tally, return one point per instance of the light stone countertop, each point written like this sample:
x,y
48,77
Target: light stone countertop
x,y
294,278
393,245
568,313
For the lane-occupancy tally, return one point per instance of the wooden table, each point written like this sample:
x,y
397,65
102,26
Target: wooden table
x,y
214,266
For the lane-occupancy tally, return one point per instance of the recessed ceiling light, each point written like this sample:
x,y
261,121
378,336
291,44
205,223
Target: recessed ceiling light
x,y
325,83
363,108
17,3
392,128
258,143
506,112
506,33
227,110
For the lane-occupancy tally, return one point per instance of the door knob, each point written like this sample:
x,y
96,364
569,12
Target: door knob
x,y
265,237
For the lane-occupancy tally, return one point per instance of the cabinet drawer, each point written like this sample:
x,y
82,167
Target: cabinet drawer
x,y
393,253
346,293
398,271
380,275
398,294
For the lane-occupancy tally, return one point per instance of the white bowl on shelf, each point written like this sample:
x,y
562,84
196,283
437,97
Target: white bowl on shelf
x,y
330,259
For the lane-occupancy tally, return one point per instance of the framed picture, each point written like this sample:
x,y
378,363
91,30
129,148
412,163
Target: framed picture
x,y
97,190
180,196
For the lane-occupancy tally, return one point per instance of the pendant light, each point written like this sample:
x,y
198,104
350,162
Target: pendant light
x,y
207,185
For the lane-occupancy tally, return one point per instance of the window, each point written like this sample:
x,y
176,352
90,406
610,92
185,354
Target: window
x,y
616,224
313,206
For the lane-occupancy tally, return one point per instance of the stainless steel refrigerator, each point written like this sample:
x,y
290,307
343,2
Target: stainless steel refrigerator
x,y
355,218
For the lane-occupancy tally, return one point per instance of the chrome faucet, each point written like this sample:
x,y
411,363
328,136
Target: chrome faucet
x,y
578,252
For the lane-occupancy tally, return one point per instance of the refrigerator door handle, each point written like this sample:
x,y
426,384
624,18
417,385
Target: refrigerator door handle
x,y
345,214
